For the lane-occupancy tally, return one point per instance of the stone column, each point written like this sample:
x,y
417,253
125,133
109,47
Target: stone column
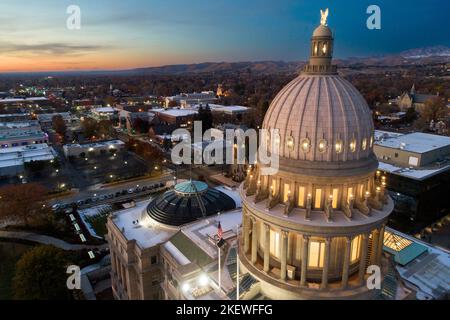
x,y
283,268
375,240
266,247
363,258
345,267
380,245
303,271
254,241
246,222
326,264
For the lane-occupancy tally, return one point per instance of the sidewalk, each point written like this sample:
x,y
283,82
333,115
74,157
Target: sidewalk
x,y
42,239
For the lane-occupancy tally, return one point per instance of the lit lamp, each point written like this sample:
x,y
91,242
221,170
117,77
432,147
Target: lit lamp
x,y
383,189
378,192
366,198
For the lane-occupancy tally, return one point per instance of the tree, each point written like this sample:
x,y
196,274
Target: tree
x,y
59,125
411,115
89,126
24,201
41,275
205,116
104,129
435,109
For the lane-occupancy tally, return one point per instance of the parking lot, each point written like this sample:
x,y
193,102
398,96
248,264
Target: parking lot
x,y
113,196
105,168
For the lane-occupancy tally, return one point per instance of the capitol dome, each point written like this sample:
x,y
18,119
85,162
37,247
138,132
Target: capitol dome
x,y
321,118
313,226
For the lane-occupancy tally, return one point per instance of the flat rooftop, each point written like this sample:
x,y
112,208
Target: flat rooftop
x,y
423,267
177,112
416,174
416,142
30,99
95,144
14,156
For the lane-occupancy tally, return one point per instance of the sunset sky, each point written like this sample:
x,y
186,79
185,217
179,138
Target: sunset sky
x,y
139,33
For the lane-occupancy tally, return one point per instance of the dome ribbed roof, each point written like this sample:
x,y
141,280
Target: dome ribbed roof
x,y
325,111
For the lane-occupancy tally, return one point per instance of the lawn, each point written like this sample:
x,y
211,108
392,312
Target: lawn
x,y
10,253
98,223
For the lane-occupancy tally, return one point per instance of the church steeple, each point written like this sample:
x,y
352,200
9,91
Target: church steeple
x,y
322,42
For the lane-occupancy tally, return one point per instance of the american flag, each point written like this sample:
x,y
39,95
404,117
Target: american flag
x,y
219,231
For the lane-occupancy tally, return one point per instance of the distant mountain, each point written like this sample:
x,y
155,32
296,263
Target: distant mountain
x,y
427,55
428,52
420,56
260,67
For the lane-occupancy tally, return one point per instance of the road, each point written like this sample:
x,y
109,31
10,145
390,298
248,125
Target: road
x,y
108,189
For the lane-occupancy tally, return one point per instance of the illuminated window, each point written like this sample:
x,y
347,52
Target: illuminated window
x,y
318,199
275,243
335,198
286,192
306,144
290,143
338,146
364,144
355,249
301,196
324,48
353,145
323,145
316,254
316,49
371,141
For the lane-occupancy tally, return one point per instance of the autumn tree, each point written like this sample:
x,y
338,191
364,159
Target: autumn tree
x,y
59,125
25,202
41,275
104,129
434,109
89,126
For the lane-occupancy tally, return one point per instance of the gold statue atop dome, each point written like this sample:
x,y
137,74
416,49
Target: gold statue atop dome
x,y
324,16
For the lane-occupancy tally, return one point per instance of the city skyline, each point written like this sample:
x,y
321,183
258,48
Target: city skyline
x,y
146,34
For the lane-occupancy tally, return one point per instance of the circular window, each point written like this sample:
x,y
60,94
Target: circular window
x,y
323,145
290,143
338,146
306,145
364,144
353,145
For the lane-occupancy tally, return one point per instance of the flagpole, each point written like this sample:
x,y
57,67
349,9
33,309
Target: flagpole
x,y
237,265
220,273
